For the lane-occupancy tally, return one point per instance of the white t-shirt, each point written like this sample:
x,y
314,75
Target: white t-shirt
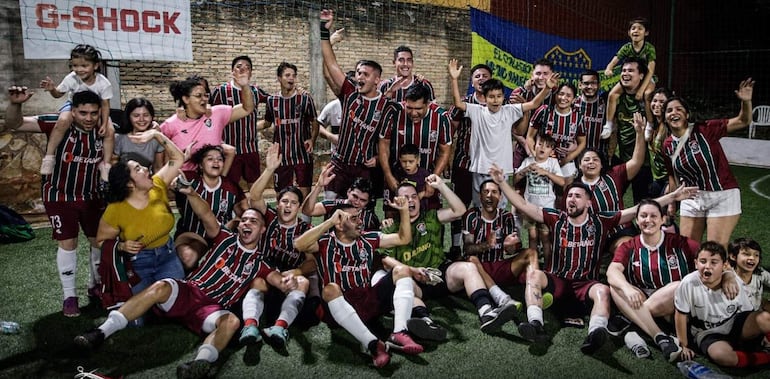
x,y
72,84
539,188
491,139
710,311
754,288
331,115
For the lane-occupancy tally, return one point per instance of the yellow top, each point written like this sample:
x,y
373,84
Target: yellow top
x,y
150,225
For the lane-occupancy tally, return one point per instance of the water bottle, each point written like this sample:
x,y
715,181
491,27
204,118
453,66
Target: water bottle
x,y
695,370
9,327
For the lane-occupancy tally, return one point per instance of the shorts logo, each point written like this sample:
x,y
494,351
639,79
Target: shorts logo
x,y
731,308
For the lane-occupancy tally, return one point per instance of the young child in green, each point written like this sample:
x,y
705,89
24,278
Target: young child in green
x,y
639,47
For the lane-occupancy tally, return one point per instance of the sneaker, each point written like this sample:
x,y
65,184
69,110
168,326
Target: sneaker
x,y
70,307
426,329
83,374
90,339
402,342
594,341
46,166
380,355
532,331
637,345
515,303
669,346
617,325
250,335
494,318
198,368
95,295
547,300
276,336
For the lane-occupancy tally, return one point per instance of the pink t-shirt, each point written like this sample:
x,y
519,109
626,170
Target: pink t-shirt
x,y
205,130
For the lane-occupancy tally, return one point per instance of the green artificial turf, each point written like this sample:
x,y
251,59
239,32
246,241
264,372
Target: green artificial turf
x,y
30,294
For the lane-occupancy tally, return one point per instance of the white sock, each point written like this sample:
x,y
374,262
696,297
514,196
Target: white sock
x,y
403,298
346,316
535,313
207,352
93,275
291,305
483,309
498,295
253,304
115,321
67,263
596,322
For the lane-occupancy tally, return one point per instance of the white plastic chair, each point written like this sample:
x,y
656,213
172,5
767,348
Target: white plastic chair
x,y
760,116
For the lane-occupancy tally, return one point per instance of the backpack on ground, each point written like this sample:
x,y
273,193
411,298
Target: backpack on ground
x,y
13,227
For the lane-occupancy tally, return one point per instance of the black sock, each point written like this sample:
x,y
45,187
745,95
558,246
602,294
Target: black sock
x,y
373,346
480,298
420,312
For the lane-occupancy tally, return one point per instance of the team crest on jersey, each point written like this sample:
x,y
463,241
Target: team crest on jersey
x,y
363,255
223,204
590,229
422,229
672,261
207,123
602,186
433,136
376,116
248,268
99,143
731,308
694,146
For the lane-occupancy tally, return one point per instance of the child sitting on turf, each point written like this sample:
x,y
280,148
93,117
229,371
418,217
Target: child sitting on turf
x,y
638,47
541,172
745,255
718,325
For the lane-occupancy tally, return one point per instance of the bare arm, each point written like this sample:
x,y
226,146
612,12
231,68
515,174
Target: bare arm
x,y
272,161
308,241
614,62
454,74
14,119
456,207
383,156
202,209
310,207
404,235
175,156
442,160
744,93
336,76
533,211
637,159
679,194
246,107
551,82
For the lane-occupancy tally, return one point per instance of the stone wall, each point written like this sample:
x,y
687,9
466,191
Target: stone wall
x,y
268,34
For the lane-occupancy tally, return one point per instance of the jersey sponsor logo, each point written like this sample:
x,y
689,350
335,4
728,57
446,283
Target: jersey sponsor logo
x,y
573,244
70,158
408,255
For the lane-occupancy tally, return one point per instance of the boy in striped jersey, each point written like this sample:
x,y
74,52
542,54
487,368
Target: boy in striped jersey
x,y
363,108
283,226
296,130
578,238
70,193
243,134
201,302
353,296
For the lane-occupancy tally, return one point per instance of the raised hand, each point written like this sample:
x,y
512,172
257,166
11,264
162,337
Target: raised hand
x,y
639,122
454,69
18,94
273,156
337,37
47,84
553,80
328,16
745,90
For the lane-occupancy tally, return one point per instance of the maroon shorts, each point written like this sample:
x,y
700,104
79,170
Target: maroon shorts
x,y
246,166
285,176
564,288
500,271
463,184
191,306
369,302
345,174
65,216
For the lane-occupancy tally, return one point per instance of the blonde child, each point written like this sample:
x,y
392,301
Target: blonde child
x,y
541,171
638,30
85,62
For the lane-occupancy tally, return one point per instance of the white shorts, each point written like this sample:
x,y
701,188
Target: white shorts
x,y
713,204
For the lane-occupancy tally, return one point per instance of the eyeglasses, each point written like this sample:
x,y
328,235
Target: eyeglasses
x,y
200,95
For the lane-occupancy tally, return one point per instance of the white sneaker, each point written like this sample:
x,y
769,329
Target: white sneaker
x,y
636,344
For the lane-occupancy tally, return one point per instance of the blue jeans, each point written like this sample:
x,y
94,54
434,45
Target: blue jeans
x,y
155,264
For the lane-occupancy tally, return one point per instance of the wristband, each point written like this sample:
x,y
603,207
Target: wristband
x,y
324,32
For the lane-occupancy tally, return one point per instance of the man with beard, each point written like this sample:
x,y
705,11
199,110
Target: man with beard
x,y
579,235
592,106
362,109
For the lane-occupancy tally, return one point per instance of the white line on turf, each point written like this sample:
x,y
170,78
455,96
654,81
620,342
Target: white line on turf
x,y
755,184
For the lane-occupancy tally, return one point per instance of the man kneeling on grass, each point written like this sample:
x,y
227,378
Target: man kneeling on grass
x,y
228,270
345,257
